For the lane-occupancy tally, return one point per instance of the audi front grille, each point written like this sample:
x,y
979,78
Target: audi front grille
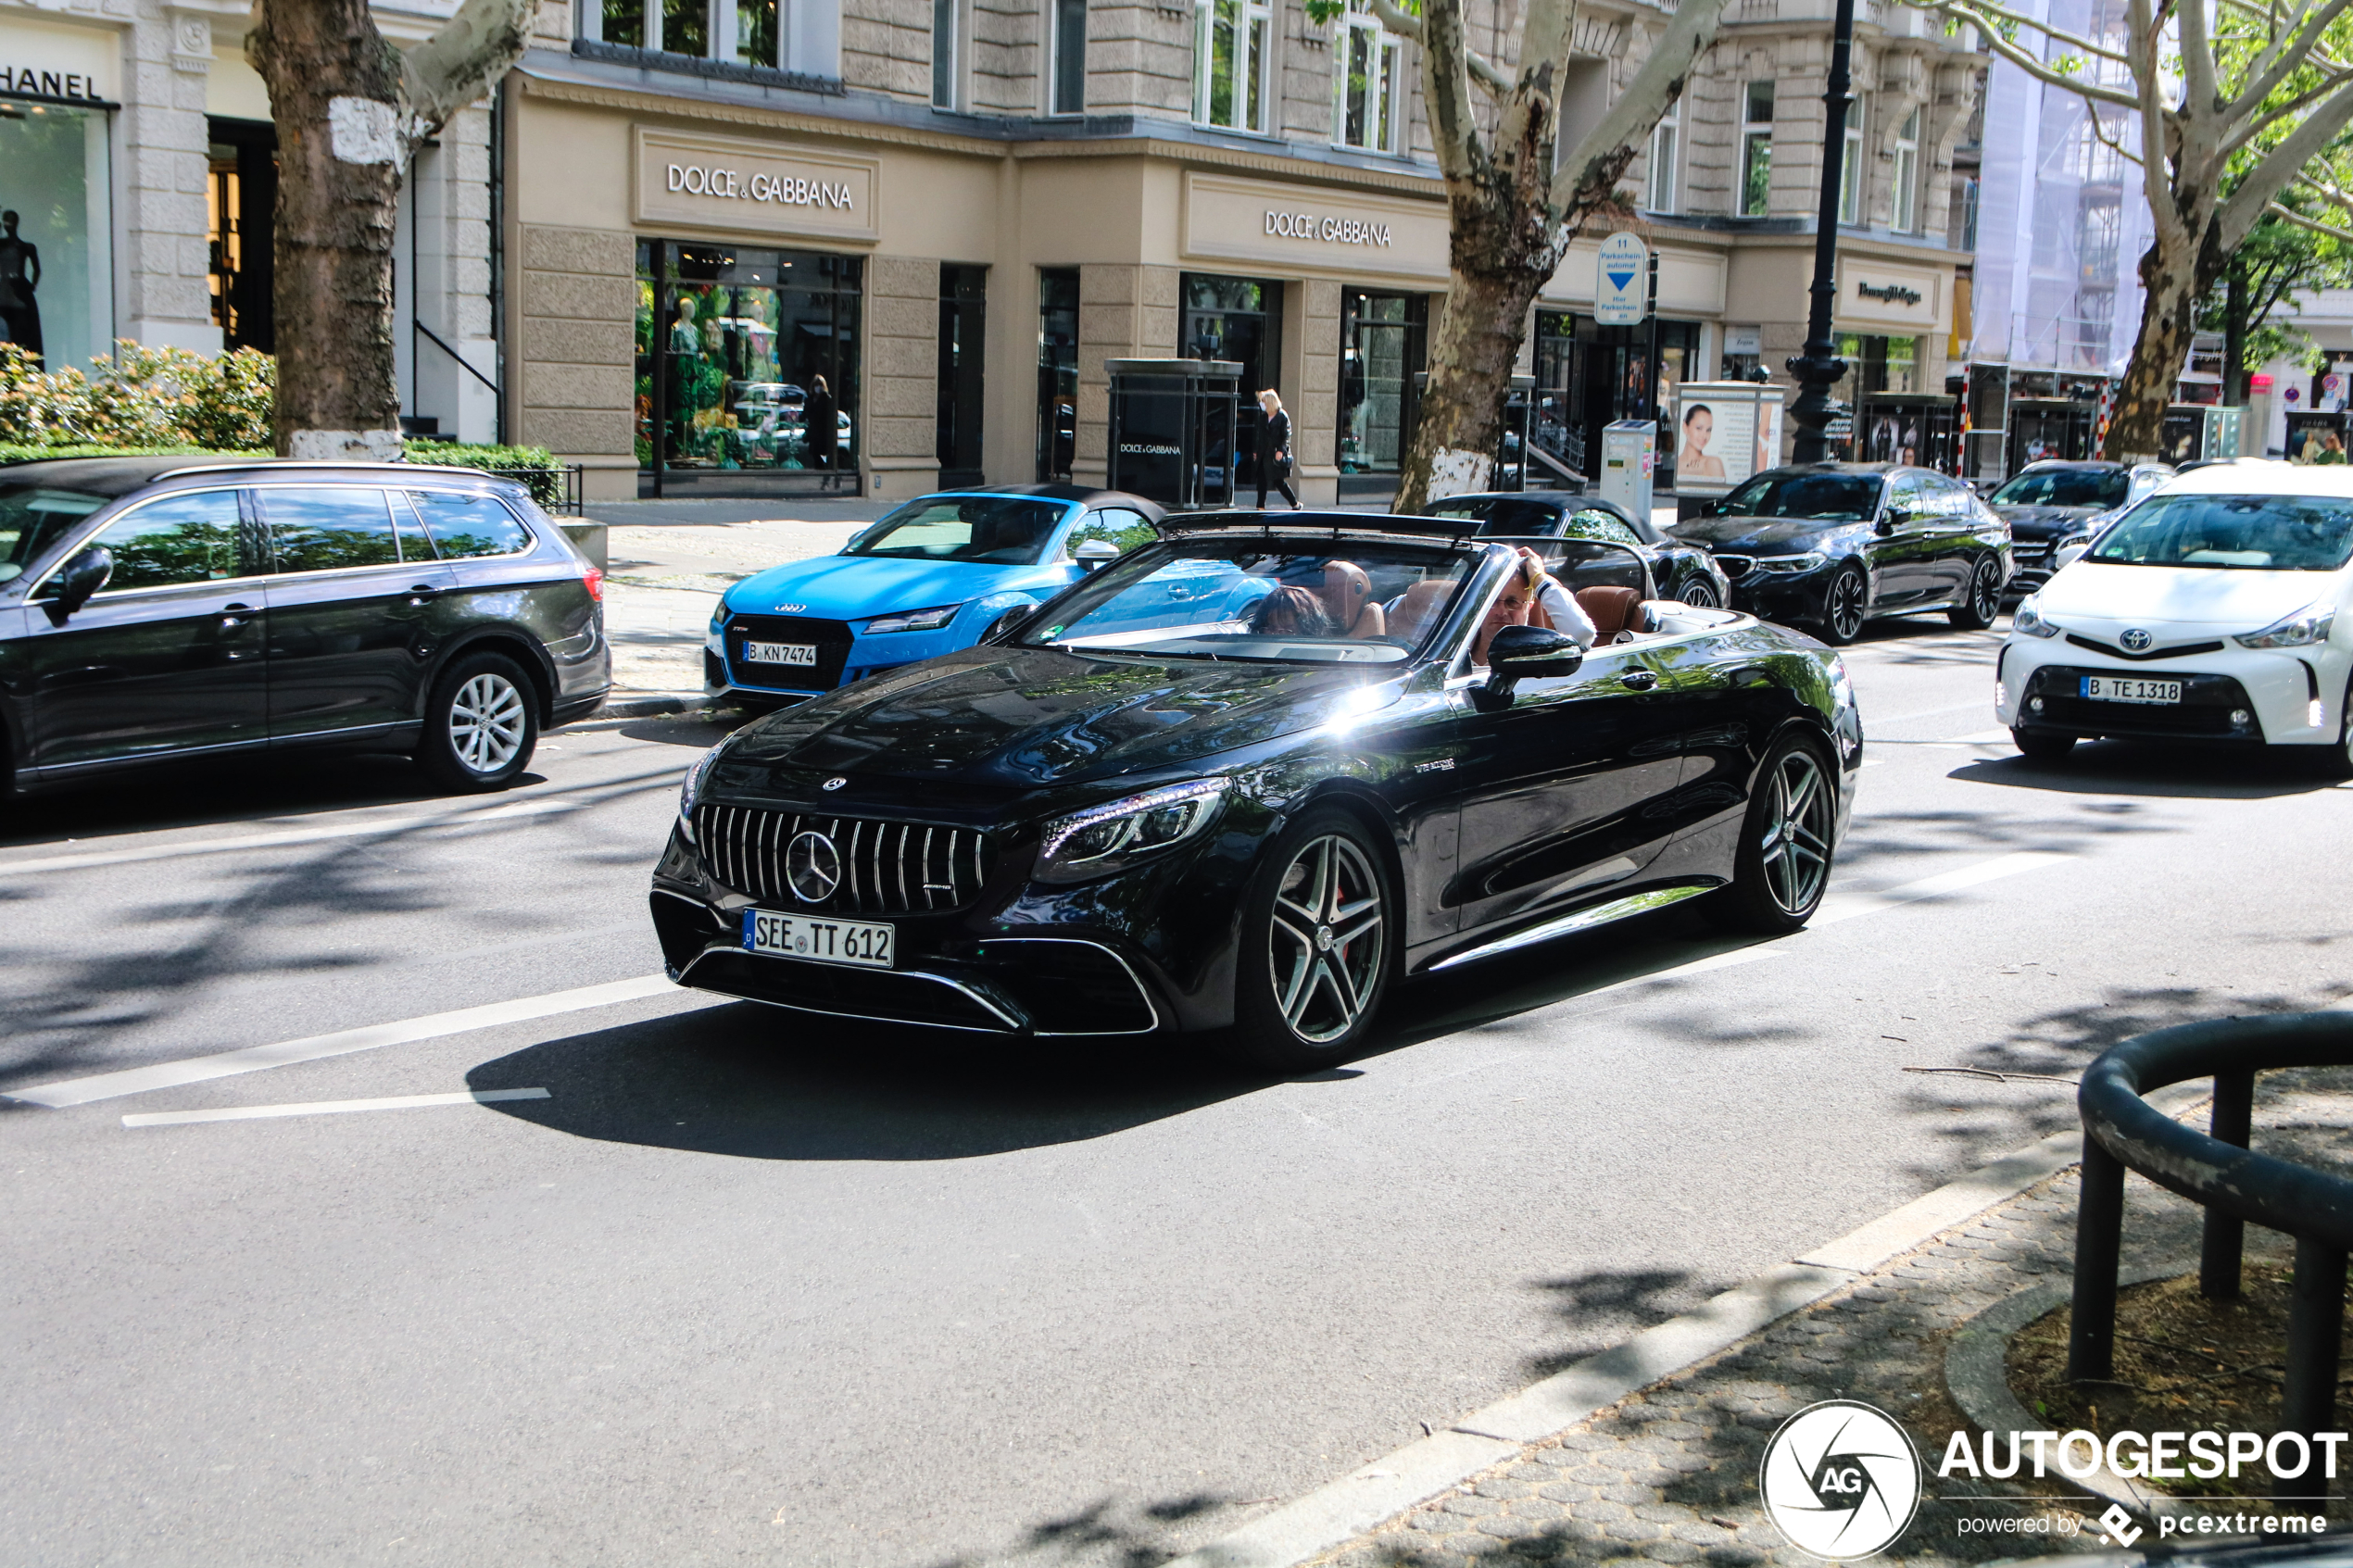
x,y
885,868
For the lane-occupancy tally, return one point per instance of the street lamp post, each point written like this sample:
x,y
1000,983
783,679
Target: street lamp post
x,y
1819,367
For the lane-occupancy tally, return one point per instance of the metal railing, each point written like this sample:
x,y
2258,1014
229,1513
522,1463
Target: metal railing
x,y
2235,1185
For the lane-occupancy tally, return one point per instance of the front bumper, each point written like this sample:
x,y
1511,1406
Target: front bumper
x,y
1145,950
2229,693
1782,597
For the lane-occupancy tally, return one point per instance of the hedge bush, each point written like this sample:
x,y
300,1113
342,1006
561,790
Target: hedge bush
x,y
173,401
534,465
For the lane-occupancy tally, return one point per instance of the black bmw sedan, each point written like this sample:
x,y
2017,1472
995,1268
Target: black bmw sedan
x,y
155,609
1833,544
1249,777
1684,571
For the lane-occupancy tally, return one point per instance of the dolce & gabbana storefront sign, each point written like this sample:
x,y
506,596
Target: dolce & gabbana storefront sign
x,y
757,187
1262,221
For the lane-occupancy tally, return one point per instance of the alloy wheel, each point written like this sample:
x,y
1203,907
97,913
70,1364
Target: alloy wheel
x,y
1845,611
1325,943
1700,593
1985,593
1796,851
487,722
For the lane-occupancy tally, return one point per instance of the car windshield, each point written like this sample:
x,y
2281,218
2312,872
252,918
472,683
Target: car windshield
x,y
2244,532
992,530
31,516
1244,599
1502,514
1822,497
2066,487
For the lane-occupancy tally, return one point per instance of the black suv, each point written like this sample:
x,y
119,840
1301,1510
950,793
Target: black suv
x,y
163,607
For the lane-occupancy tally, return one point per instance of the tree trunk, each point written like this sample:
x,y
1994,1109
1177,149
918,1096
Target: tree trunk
x,y
2234,310
2169,320
334,93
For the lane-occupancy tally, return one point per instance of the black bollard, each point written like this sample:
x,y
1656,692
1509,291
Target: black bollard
x,y
2225,1240
2099,1237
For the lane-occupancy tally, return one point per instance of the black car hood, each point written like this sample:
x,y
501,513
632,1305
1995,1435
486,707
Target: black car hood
x,y
1020,718
1761,535
2036,524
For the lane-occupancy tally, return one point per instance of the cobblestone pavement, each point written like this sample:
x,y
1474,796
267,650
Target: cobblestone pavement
x,y
1670,1475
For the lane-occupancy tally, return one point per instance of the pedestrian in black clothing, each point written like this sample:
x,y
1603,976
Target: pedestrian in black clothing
x,y
820,423
1274,449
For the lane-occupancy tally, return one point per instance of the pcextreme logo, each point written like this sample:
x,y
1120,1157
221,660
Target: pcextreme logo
x,y
1841,1480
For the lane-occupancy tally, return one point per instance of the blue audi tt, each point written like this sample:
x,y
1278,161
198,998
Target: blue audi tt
x,y
932,576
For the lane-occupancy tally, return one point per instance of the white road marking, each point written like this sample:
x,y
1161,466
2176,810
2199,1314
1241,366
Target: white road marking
x,y
294,835
1983,737
1929,712
253,1059
1847,905
328,1107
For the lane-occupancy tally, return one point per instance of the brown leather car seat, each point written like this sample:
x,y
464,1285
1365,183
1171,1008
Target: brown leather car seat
x,y
1419,610
1613,611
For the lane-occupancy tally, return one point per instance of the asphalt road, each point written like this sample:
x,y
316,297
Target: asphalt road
x,y
745,1287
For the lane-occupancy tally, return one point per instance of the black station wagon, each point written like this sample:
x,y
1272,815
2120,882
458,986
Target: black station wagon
x,y
162,607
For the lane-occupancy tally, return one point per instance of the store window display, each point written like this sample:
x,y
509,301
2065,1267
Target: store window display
x,y
747,361
55,295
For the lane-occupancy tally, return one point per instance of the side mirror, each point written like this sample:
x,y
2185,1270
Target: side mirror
x,y
1095,553
78,579
1526,653
1890,520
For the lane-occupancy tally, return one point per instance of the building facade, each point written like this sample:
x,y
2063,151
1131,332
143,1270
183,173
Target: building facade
x,y
754,246
136,152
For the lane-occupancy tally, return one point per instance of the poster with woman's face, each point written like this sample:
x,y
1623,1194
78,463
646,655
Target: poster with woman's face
x,y
1716,438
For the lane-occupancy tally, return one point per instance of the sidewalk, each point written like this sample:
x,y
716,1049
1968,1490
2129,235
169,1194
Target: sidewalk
x,y
1668,1473
664,579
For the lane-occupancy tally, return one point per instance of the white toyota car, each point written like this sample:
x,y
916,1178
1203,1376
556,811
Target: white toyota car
x,y
2217,610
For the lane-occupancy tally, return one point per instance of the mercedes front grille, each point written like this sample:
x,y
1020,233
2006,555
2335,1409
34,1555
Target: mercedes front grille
x,y
885,868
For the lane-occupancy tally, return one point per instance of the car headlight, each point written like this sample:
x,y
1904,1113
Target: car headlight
x,y
714,637
2030,620
915,619
692,788
1791,565
2307,626
1114,836
1841,684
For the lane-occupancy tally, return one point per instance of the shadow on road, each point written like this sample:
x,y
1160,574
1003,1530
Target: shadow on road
x,y
2188,772
762,1082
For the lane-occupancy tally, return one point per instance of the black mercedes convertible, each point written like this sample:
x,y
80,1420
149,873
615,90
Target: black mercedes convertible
x,y
1247,778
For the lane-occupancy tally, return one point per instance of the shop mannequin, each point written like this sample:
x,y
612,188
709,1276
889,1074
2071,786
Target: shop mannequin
x,y
20,275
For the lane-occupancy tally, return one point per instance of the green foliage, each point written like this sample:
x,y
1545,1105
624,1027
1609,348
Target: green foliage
x,y
534,465
164,399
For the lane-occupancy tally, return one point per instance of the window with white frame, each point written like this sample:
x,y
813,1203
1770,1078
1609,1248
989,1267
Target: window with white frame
x,y
1067,92
1757,149
1230,54
743,32
1904,214
1369,85
1666,147
1850,169
944,53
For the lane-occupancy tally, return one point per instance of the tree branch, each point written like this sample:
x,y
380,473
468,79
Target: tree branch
x,y
2289,215
2282,164
1997,10
463,59
2009,51
2200,95
1453,130
2165,215
2282,54
1589,171
1407,25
